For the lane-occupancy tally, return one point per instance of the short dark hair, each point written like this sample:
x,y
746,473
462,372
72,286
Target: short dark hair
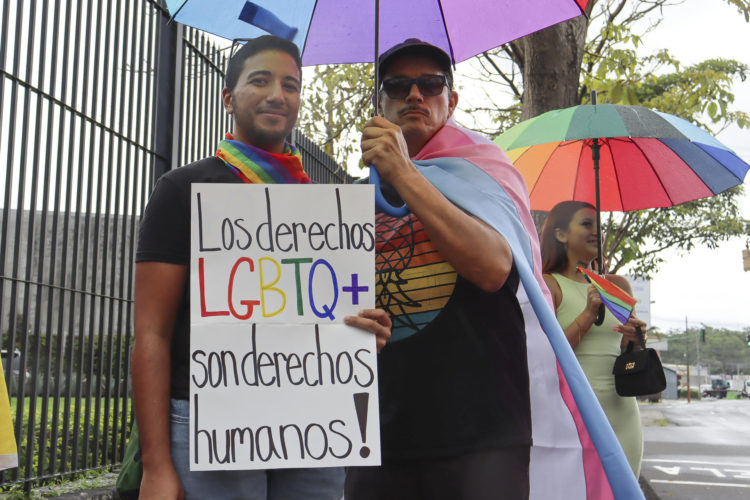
x,y
254,46
554,253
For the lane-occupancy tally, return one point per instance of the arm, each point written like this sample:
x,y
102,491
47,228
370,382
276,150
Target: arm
x,y
628,330
581,324
477,252
158,291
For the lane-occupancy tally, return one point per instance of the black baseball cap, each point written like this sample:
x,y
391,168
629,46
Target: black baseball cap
x,y
416,47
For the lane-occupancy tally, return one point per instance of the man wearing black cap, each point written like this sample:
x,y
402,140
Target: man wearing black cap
x,y
454,394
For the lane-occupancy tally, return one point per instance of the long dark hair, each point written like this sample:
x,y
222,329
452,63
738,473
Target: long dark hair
x,y
554,253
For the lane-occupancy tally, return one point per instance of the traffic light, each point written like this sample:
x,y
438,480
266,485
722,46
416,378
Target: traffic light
x,y
748,339
703,335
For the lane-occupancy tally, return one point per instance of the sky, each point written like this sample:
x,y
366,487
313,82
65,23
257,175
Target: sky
x,y
706,286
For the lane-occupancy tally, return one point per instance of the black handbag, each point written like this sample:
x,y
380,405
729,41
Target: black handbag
x,y
638,373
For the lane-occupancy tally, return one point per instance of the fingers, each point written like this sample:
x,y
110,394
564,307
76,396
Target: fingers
x,y
593,300
629,330
375,321
594,296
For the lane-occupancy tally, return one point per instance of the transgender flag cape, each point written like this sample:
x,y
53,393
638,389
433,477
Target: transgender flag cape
x,y
575,454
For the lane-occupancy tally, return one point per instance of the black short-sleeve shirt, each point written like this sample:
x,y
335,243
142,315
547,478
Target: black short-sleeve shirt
x,y
164,236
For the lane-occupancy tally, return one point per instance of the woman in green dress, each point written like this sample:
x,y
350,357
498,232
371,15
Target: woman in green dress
x,y
569,241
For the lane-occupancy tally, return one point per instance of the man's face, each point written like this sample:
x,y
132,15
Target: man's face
x,y
419,116
265,100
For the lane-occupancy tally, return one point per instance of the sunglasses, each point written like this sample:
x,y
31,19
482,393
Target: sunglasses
x,y
399,87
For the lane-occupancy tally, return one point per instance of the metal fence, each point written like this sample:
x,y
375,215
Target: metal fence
x,y
97,99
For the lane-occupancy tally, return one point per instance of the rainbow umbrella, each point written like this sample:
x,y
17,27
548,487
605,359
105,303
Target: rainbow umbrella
x,y
618,301
618,158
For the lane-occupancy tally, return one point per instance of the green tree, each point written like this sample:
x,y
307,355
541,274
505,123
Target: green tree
x,y
337,103
557,68
724,350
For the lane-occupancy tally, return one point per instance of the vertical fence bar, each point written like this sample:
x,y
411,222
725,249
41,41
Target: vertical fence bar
x,y
101,244
63,340
107,248
26,446
49,282
13,323
165,91
90,250
44,178
75,207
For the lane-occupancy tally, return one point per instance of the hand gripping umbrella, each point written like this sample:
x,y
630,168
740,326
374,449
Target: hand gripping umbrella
x,y
350,31
618,158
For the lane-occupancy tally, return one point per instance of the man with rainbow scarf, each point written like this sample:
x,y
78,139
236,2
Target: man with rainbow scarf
x,y
262,93
473,403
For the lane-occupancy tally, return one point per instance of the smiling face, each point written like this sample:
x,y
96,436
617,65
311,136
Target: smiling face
x,y
265,101
580,238
419,116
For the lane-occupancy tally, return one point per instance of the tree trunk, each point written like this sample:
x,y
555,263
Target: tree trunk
x,y
551,63
552,66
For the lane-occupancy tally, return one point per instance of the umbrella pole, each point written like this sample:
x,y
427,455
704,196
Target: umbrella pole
x,y
595,156
376,101
595,147
380,201
599,258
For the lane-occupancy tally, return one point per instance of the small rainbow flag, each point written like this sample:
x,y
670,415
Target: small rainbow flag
x,y
619,303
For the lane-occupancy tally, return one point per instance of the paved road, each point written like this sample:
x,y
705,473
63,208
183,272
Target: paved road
x,y
699,450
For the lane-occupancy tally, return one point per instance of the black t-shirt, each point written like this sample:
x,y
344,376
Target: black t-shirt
x,y
454,378
164,236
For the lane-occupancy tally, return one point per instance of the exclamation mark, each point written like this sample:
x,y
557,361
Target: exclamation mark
x,y
360,405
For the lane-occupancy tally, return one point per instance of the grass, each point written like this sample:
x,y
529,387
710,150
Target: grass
x,y
59,455
103,478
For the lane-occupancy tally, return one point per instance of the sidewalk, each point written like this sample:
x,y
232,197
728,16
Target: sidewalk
x,y
651,415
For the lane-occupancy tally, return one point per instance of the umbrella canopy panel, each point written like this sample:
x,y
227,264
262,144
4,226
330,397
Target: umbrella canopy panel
x,y
462,28
343,31
238,19
648,159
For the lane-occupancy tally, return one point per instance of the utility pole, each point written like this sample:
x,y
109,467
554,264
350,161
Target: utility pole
x,y
687,357
698,356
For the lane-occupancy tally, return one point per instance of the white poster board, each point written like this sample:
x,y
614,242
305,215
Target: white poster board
x,y
277,380
642,293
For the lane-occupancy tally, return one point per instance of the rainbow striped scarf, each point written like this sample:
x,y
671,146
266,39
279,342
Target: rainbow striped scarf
x,y
257,166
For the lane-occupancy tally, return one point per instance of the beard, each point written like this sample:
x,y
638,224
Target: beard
x,y
261,136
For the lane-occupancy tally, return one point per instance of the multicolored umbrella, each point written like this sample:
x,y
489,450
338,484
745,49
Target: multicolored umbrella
x,y
618,301
344,31
648,159
618,158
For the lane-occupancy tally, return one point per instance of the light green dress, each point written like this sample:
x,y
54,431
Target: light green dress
x,y
596,353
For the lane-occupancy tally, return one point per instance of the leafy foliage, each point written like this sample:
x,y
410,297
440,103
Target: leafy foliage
x,y
336,105
637,238
725,351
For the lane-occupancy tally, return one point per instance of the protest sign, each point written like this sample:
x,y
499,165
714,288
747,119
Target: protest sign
x,y
276,379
